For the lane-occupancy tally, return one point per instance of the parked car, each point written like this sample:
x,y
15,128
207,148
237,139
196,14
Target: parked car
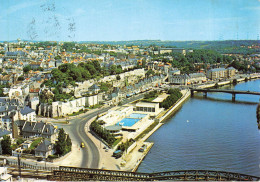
x,y
142,149
117,154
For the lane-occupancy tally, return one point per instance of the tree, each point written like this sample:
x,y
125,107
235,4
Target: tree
x,y
2,92
20,78
46,96
68,144
6,145
143,63
118,77
26,69
63,145
60,145
149,72
57,57
113,69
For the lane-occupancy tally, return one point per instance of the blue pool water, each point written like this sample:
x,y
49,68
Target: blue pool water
x,y
136,115
128,122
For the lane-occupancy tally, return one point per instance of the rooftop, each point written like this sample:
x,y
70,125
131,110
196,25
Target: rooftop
x,y
146,104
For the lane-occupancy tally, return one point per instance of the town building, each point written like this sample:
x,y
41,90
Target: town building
x,y
146,107
28,129
172,50
219,73
44,149
4,176
27,114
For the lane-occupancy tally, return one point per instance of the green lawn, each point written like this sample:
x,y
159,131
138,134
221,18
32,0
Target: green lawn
x,y
35,143
150,99
116,142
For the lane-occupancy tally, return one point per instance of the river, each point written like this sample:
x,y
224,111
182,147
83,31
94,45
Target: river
x,y
210,133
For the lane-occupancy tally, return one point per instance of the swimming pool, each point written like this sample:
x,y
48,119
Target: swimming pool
x,y
136,116
127,122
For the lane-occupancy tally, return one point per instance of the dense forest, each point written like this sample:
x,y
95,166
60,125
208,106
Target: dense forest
x,y
221,46
187,63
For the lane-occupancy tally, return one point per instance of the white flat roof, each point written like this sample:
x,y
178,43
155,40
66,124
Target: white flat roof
x,y
161,98
146,104
6,177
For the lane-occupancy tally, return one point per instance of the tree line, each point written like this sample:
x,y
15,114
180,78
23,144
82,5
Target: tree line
x,y
175,95
102,132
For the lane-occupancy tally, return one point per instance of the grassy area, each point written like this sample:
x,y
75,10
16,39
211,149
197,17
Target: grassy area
x,y
79,112
147,130
149,99
95,106
60,117
116,142
35,143
60,122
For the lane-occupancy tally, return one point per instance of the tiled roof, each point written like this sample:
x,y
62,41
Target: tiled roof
x,y
26,110
4,132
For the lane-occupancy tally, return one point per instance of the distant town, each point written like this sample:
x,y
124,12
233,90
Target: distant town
x,y
62,103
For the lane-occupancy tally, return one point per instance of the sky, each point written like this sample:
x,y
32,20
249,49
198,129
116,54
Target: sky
x,y
116,20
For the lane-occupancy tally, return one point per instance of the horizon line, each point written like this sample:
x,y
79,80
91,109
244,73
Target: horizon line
x,y
130,40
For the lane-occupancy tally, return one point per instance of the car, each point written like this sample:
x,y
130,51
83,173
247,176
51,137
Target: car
x,y
142,148
106,150
117,154
82,145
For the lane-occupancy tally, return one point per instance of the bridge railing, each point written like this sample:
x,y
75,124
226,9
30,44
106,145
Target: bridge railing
x,y
73,173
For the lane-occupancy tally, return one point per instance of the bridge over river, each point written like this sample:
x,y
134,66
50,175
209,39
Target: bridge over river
x,y
233,92
87,174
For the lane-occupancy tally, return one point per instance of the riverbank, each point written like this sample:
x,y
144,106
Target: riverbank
x,y
132,160
212,128
238,79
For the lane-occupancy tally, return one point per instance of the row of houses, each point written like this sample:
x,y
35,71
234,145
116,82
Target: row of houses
x,y
221,73
29,129
195,78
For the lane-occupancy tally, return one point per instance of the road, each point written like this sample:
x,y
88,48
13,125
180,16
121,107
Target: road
x,y
76,130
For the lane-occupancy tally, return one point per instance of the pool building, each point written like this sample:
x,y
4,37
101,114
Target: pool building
x,y
130,120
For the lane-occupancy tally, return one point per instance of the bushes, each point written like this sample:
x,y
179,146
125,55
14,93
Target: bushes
x,y
175,95
150,96
102,132
124,146
39,159
52,156
27,151
19,141
6,145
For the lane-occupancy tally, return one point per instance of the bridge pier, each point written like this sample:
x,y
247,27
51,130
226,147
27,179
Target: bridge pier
x,y
205,94
192,93
233,97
